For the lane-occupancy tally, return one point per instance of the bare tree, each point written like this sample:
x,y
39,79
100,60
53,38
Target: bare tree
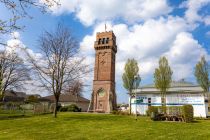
x,y
75,88
13,72
60,64
19,8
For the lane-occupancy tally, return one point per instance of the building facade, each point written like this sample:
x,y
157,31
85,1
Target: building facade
x,y
66,100
180,93
104,96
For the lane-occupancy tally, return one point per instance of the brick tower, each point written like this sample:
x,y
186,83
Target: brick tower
x,y
104,96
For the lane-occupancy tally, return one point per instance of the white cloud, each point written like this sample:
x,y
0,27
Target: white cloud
x,y
207,20
65,6
193,7
15,45
208,33
148,41
91,11
15,35
183,55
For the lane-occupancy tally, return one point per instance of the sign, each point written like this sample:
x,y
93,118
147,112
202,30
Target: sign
x,y
185,98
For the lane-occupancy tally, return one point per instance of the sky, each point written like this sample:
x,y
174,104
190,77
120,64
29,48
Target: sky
x,y
145,31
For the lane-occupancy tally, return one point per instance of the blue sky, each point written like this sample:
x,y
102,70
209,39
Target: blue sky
x,y
145,30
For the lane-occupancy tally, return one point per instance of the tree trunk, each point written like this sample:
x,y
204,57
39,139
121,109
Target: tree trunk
x,y
1,96
55,109
163,103
130,105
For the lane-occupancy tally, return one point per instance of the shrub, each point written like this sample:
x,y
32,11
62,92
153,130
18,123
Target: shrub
x,y
70,108
52,106
153,113
174,110
118,112
162,109
187,111
74,108
64,109
115,112
157,112
38,109
152,109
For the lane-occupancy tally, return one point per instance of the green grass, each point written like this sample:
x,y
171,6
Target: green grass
x,y
5,114
99,126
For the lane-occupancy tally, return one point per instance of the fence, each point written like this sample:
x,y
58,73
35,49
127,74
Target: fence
x,y
20,109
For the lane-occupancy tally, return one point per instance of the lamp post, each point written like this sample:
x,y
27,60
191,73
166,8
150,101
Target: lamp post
x,y
136,84
136,104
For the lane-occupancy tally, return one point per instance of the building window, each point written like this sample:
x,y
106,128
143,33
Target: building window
x,y
149,101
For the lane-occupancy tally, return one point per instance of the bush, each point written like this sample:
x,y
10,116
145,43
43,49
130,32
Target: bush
x,y
187,111
152,109
64,109
74,108
70,108
38,109
157,112
118,112
153,113
115,112
162,109
174,110
52,107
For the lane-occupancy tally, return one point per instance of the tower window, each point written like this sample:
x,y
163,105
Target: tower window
x,y
103,41
107,40
99,41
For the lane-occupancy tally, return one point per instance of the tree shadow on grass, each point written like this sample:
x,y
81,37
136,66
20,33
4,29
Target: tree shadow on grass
x,y
19,116
12,117
195,121
91,117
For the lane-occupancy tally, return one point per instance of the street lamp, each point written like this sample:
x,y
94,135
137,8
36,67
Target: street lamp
x,y
137,80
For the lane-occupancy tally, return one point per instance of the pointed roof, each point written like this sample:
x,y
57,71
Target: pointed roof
x,y
67,98
180,83
180,86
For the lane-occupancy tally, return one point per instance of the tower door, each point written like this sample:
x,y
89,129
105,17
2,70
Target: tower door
x,y
100,105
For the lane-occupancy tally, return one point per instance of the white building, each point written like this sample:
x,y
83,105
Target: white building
x,y
180,93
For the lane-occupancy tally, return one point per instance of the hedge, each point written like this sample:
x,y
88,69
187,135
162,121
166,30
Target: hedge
x,y
70,108
185,111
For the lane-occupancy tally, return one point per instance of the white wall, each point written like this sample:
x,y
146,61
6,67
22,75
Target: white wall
x,y
174,99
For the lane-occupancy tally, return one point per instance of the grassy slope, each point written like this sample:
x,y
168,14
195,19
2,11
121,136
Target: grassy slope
x,y
98,126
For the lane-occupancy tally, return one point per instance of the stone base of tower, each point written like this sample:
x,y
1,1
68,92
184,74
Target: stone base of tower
x,y
104,99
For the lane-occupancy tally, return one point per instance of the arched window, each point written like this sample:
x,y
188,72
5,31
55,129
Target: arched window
x,y
101,92
99,41
107,40
103,40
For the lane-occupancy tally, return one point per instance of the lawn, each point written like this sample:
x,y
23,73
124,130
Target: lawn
x,y
83,126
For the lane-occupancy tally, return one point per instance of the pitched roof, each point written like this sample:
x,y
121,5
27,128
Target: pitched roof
x,y
181,83
12,93
13,99
66,98
176,87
